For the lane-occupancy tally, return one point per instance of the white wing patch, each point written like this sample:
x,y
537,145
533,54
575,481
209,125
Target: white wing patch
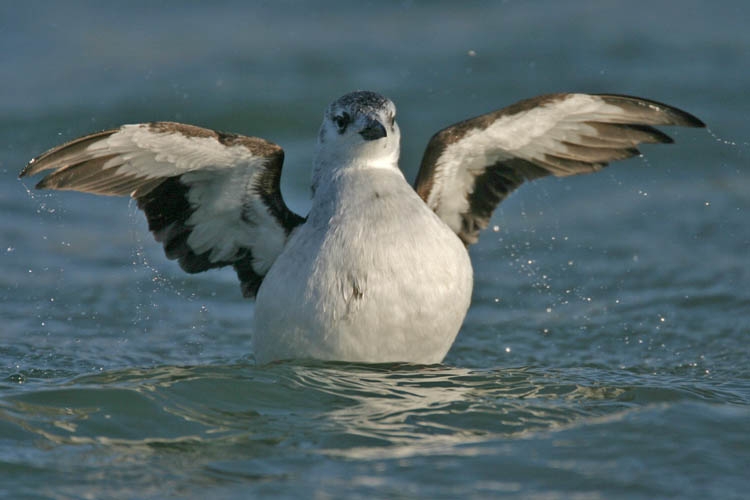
x,y
211,199
227,222
559,134
146,153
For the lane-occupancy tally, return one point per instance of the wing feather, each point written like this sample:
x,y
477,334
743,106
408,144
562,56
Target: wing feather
x,y
468,168
212,199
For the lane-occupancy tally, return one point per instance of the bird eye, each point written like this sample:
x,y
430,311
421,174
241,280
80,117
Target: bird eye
x,y
342,121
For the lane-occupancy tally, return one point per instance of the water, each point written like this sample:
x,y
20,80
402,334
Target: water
x,y
605,354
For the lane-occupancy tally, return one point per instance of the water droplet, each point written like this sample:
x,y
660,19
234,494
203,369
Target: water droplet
x,y
721,140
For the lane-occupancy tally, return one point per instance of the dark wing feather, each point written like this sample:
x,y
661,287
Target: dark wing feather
x,y
211,199
471,166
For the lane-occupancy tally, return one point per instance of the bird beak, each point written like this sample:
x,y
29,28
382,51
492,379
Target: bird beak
x,y
373,130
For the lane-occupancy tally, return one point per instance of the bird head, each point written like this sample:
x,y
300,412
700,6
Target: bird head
x,y
359,129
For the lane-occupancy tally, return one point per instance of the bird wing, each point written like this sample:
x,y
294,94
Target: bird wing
x,y
468,168
211,199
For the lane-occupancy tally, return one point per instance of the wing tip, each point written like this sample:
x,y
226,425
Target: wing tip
x,y
665,139
32,168
686,119
35,165
57,154
26,171
677,116
651,134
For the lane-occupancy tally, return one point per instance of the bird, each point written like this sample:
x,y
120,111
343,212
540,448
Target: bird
x,y
379,270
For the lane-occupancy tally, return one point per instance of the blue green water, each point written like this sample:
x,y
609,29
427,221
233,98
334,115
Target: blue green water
x,y
606,351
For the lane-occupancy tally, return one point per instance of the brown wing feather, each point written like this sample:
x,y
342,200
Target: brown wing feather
x,y
465,161
174,171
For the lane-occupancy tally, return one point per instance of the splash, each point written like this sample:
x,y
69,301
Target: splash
x,y
726,142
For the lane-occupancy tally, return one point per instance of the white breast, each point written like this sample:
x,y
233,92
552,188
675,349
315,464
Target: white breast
x,y
373,275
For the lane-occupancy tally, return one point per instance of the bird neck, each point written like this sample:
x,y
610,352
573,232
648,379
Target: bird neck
x,y
340,190
333,169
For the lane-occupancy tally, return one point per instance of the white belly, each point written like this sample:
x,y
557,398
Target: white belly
x,y
385,282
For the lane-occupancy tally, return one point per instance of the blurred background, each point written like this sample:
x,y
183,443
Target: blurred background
x,y
623,294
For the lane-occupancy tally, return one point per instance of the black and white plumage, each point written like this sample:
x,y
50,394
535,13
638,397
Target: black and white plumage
x,y
212,199
378,271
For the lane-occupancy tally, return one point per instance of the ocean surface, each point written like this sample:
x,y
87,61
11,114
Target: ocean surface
x,y
606,353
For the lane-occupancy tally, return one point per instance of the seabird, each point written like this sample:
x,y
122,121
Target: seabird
x,y
378,270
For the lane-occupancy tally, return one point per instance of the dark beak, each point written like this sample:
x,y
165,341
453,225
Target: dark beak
x,y
373,130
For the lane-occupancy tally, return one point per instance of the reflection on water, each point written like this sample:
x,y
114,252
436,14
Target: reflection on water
x,y
356,411
214,426
615,303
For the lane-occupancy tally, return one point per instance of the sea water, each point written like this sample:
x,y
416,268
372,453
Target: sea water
x,y
606,351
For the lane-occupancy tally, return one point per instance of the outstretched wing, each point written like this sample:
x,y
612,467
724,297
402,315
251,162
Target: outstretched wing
x,y
470,167
212,199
